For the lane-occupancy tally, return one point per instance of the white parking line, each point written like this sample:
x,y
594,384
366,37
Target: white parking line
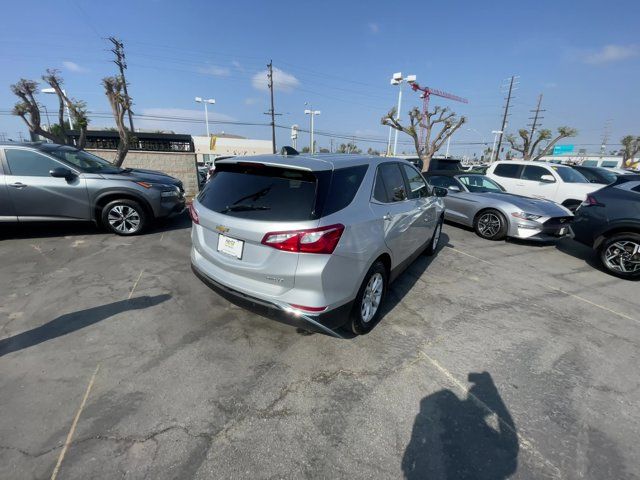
x,y
135,284
524,442
469,255
67,442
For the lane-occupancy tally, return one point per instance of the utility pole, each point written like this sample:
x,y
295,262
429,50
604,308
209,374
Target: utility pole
x,y
118,50
536,117
605,137
272,111
504,117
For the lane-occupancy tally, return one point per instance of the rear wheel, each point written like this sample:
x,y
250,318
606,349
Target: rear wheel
x,y
124,217
435,239
620,255
490,224
366,308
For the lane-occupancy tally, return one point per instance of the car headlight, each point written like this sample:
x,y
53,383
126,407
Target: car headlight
x,y
526,216
170,191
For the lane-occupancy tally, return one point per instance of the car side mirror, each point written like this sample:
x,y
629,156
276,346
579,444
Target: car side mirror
x,y
454,188
440,192
547,179
62,172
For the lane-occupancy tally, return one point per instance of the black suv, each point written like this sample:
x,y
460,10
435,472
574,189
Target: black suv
x,y
49,182
609,221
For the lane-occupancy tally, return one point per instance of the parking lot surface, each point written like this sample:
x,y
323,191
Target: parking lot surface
x,y
493,360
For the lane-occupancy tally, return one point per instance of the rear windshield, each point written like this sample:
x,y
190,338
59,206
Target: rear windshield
x,y
259,192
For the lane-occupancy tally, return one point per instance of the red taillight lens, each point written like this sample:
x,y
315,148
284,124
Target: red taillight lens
x,y
193,214
308,309
590,201
315,240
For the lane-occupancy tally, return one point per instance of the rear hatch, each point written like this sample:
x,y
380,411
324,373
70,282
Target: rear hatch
x,y
241,203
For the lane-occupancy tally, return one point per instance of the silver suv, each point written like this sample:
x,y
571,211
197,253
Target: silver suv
x,y
49,182
318,237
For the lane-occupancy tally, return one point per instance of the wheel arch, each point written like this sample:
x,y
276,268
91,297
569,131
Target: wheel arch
x,y
616,230
110,196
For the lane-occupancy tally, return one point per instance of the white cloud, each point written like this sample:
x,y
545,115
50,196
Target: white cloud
x,y
282,81
374,27
250,101
236,64
193,119
611,53
215,70
74,67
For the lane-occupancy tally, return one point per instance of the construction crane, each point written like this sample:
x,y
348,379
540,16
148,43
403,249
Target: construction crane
x,y
425,95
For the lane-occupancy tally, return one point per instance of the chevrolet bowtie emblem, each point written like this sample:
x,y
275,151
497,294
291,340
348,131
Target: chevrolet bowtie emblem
x,y
222,229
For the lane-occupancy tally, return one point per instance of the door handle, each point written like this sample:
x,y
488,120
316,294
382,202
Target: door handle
x,y
386,217
18,185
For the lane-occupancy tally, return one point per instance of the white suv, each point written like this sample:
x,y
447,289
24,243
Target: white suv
x,y
558,183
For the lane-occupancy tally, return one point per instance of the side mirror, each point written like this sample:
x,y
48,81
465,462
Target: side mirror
x,y
62,172
440,192
454,188
547,179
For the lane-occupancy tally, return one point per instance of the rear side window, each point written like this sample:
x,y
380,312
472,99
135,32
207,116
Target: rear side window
x,y
534,173
345,182
507,170
258,192
394,187
28,163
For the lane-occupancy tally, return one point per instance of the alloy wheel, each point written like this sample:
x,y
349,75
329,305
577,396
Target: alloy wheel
x,y
489,225
124,219
372,297
623,256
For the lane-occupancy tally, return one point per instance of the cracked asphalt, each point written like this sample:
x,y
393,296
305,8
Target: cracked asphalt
x,y
493,360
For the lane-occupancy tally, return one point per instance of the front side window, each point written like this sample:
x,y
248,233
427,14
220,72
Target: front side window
x,y
534,173
569,175
417,186
83,160
507,170
443,181
479,183
27,163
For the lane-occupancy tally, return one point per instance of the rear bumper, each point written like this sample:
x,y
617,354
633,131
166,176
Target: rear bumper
x,y
325,322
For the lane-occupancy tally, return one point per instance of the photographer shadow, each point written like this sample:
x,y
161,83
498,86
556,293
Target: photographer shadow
x,y
472,438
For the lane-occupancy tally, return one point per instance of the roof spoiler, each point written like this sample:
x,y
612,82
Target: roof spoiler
x,y
287,151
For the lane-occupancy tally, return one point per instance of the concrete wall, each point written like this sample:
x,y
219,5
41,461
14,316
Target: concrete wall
x,y
230,146
181,165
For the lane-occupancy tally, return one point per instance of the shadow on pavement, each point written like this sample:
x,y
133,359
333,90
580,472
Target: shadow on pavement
x,y
63,229
473,438
579,251
71,322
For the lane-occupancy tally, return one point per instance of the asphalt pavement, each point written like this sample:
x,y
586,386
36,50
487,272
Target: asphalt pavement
x,y
493,360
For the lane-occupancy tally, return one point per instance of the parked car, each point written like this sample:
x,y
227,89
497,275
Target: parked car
x,y
49,182
479,202
603,176
318,237
609,222
559,183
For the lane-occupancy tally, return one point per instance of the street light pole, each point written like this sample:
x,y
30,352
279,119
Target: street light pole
x,y
208,101
66,107
312,113
397,79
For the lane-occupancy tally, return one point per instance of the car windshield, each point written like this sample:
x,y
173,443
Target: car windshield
x,y
479,183
569,175
84,161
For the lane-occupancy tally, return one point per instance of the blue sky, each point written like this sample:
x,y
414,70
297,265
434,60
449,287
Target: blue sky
x,y
338,56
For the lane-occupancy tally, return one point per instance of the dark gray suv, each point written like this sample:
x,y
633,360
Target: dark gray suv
x,y
49,182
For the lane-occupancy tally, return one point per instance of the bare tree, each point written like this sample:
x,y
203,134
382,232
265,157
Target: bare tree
x,y
430,121
120,104
631,147
528,148
27,109
77,108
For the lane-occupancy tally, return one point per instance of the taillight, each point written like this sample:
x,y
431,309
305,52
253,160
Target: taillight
x,y
193,214
590,202
308,309
314,240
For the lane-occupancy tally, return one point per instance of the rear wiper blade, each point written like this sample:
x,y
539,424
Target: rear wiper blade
x,y
243,208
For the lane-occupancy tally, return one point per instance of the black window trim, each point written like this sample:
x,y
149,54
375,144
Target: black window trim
x,y
517,177
407,185
39,152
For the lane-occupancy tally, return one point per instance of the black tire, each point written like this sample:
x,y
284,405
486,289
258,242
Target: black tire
x,y
571,205
617,252
432,248
491,225
135,218
358,324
